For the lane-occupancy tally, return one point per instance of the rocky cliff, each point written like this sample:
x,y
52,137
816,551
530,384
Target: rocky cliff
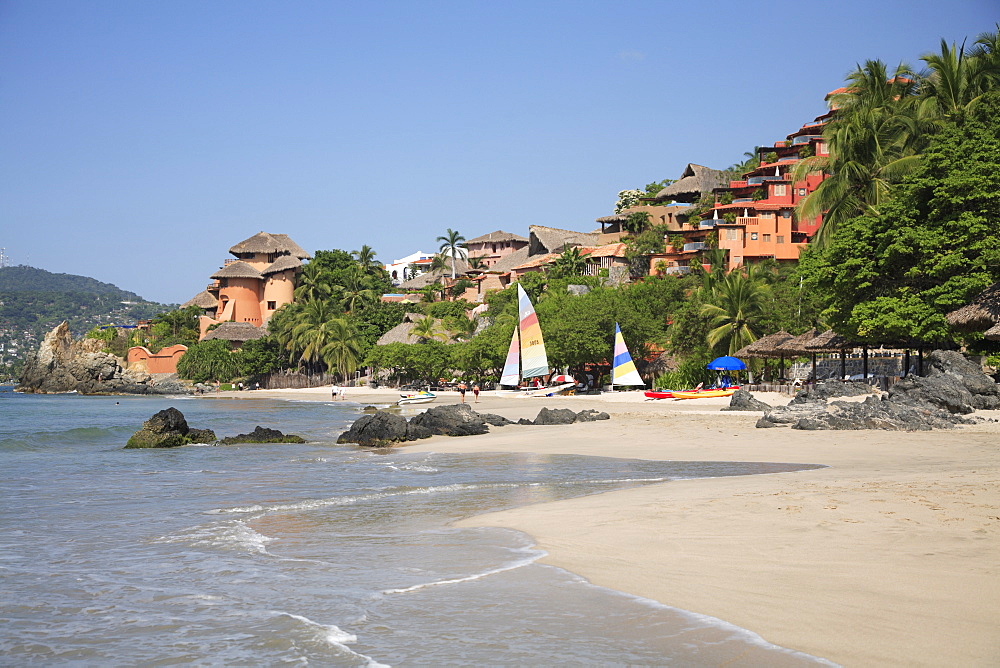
x,y
63,365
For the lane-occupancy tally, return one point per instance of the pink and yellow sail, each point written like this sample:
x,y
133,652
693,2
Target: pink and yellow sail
x,y
526,356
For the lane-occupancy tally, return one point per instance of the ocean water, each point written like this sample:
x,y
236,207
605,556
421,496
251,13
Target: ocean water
x,y
314,554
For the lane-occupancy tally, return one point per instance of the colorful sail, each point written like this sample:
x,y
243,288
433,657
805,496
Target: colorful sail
x,y
624,368
533,359
511,368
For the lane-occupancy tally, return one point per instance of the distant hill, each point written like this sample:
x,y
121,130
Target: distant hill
x,y
33,301
30,279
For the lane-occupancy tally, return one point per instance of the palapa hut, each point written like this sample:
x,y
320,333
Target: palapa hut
x,y
981,315
403,332
830,342
237,333
695,180
766,347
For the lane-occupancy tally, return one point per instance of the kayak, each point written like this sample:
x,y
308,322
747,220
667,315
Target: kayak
x,y
701,394
672,394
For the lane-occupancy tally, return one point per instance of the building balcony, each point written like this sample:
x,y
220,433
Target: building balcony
x,y
805,139
708,224
747,220
737,184
743,200
695,246
677,270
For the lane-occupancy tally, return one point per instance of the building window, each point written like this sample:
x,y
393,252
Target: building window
x,y
767,237
802,192
780,190
821,147
732,234
753,236
781,238
272,305
786,214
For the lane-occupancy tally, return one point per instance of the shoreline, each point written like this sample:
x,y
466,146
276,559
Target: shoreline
x,y
889,556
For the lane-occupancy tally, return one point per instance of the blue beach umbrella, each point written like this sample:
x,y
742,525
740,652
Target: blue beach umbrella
x,y
726,363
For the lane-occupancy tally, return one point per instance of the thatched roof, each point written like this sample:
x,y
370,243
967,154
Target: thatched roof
x,y
828,341
203,299
432,277
508,262
554,240
765,346
265,242
499,235
614,218
237,270
695,180
797,344
993,333
283,263
982,313
237,332
402,333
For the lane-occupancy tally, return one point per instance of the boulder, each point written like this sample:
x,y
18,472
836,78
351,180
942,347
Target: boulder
x,y
829,389
590,415
873,413
951,382
555,416
376,430
451,420
168,429
742,400
262,435
495,420
63,365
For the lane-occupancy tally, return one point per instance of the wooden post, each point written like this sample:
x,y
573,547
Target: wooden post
x,y
814,368
920,361
864,363
843,363
906,363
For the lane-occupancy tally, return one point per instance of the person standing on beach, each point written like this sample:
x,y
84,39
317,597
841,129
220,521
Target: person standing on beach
x,y
334,391
461,390
475,392
343,393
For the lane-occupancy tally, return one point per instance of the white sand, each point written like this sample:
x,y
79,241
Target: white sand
x,y
891,556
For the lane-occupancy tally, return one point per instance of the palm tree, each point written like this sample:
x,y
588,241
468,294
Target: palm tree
x,y
451,245
477,262
460,327
312,284
955,80
736,304
426,329
311,331
570,263
343,349
873,143
355,291
366,258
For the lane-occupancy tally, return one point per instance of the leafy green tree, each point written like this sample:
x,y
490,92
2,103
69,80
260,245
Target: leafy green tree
x,y
258,357
571,262
892,276
452,246
208,360
342,350
426,329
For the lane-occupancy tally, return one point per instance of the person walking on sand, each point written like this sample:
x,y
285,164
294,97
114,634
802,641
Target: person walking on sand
x,y
334,391
461,390
475,392
343,393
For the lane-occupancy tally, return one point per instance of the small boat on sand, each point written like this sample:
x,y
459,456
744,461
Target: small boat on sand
x,y
702,394
659,394
423,397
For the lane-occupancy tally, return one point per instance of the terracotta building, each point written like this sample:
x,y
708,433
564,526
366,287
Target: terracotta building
x,y
251,287
494,246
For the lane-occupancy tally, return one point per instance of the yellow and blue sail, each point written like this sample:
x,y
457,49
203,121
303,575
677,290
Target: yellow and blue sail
x,y
624,371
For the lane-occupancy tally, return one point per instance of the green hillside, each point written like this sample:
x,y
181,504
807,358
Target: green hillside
x,y
33,301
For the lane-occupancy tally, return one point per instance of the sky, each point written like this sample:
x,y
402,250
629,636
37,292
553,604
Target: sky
x,y
140,140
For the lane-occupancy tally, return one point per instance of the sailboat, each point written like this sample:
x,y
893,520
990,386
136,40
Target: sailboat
x,y
623,368
526,355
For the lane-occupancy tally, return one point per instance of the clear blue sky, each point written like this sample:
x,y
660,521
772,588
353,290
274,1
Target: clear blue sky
x,y
140,140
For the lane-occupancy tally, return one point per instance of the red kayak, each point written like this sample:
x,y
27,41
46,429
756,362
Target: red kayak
x,y
669,394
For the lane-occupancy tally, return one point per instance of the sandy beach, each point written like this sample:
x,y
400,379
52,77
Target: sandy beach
x,y
889,556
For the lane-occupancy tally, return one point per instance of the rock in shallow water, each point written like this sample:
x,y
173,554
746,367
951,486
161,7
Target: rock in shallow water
x,y
168,429
262,435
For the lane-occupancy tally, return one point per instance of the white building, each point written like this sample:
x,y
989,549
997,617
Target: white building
x,y
400,270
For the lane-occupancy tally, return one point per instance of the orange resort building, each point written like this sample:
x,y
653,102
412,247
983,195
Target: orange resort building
x,y
252,286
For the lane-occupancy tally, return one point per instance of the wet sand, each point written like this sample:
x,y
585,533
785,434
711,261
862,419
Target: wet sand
x,y
891,556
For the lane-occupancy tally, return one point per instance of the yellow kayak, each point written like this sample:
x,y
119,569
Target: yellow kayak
x,y
701,394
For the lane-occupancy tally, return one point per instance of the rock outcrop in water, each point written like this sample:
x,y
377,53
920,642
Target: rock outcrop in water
x,y
63,365
262,435
952,387
168,429
384,428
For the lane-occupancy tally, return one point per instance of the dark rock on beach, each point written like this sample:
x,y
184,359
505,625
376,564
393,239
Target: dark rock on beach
x,y
830,389
555,416
376,430
744,401
168,429
952,387
450,420
590,415
262,435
